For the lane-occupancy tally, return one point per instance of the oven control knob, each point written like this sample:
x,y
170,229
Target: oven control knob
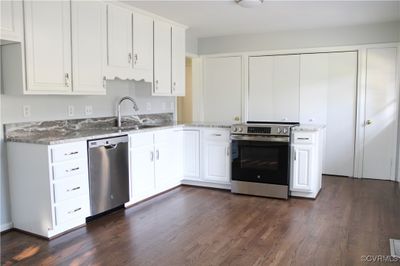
x,y
285,131
279,130
234,129
240,129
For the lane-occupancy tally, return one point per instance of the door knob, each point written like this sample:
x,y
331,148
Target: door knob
x,y
369,122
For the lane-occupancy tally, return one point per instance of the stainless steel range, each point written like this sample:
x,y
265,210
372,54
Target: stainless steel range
x,y
261,158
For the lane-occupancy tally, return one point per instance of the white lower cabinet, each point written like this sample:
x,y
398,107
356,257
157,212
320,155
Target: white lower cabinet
x,y
206,157
306,172
50,193
155,163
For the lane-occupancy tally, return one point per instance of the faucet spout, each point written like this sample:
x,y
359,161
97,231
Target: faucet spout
x,y
135,107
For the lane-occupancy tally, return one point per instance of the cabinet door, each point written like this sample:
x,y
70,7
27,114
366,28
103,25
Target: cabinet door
x,y
222,79
274,88
88,46
165,168
301,168
48,46
142,172
178,61
143,47
162,58
216,159
11,28
191,154
119,42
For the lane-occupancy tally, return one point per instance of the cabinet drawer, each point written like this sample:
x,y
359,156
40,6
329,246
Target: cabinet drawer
x,y
303,138
141,139
68,169
70,188
68,152
216,135
72,209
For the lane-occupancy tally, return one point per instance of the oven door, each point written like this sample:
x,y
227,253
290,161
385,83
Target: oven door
x,y
261,159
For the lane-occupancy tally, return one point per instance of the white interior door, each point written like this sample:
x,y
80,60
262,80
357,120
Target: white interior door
x,y
222,89
48,45
341,114
274,88
380,137
162,58
328,84
88,46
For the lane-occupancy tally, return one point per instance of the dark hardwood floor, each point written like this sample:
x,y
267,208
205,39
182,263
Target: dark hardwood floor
x,y
198,226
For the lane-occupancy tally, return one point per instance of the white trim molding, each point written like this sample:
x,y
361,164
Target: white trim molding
x,y
6,226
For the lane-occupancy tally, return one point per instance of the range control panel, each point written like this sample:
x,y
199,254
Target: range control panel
x,y
261,129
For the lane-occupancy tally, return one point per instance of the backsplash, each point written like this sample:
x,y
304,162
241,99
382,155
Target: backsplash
x,y
44,108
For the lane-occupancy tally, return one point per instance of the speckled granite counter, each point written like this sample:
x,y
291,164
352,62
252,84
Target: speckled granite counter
x,y
64,131
308,127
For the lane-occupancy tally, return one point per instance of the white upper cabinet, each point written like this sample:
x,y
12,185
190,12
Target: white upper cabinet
x,y
178,61
11,28
88,46
222,89
143,47
162,58
274,88
119,42
48,46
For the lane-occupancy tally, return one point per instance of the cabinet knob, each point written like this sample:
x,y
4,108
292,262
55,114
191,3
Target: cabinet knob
x,y
135,59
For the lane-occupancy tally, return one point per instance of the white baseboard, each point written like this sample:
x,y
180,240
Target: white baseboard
x,y
6,226
206,184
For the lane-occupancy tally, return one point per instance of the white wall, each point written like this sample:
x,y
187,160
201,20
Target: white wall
x,y
365,34
191,43
55,107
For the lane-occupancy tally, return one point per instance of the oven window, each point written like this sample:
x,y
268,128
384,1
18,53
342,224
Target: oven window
x,y
260,158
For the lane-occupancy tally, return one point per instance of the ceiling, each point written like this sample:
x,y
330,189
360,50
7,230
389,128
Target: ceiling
x,y
224,17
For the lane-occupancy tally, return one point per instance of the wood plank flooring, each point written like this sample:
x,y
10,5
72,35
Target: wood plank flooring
x,y
198,226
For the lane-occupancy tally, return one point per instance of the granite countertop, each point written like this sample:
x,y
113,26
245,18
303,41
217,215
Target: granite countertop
x,y
58,132
308,128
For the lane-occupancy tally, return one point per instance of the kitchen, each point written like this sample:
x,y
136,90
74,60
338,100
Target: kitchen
x,y
100,124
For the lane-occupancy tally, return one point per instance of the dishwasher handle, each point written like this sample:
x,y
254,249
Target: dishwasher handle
x,y
111,146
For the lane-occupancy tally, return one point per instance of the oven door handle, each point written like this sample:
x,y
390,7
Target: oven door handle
x,y
260,138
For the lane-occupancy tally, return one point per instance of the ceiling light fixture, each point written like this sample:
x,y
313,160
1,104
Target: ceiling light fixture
x,y
249,3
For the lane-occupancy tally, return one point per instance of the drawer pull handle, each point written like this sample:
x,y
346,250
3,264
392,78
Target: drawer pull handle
x,y
72,169
217,135
71,153
303,138
78,209
72,189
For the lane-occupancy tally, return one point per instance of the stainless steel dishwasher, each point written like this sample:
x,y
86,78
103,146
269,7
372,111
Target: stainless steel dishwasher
x,y
108,173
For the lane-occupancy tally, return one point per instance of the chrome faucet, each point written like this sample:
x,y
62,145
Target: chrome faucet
x,y
135,107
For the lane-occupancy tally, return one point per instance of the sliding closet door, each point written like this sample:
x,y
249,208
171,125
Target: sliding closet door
x,y
274,88
222,89
328,83
381,114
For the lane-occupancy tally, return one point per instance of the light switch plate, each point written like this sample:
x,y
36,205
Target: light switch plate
x,y
26,110
71,110
88,110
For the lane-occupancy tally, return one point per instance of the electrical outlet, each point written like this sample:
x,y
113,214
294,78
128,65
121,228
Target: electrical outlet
x,y
88,110
163,106
171,106
148,107
71,110
27,110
